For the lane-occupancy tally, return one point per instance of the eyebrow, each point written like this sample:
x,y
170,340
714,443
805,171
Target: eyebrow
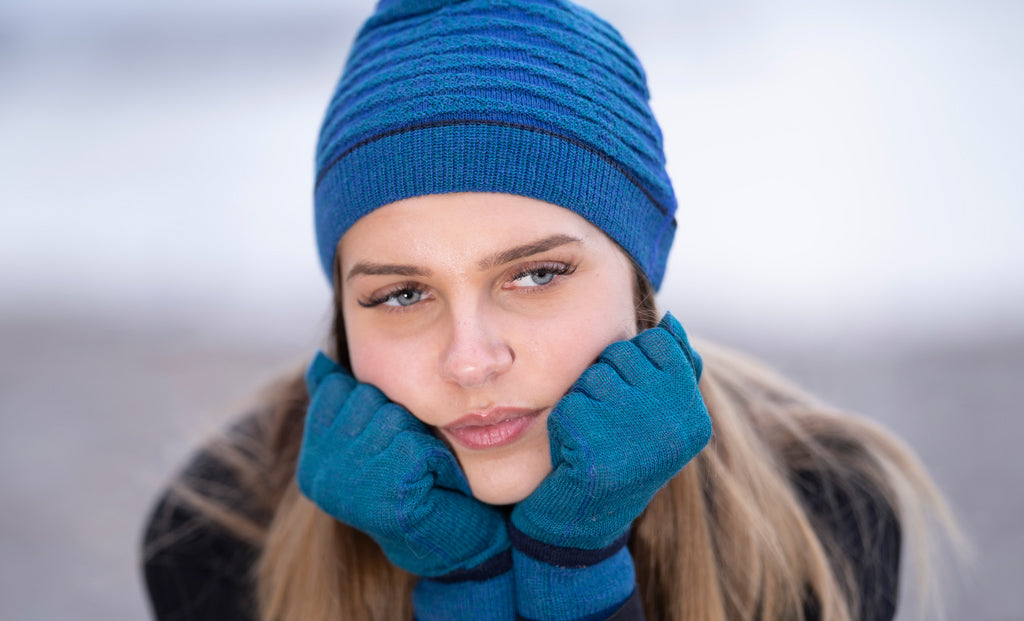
x,y
511,254
385,269
526,250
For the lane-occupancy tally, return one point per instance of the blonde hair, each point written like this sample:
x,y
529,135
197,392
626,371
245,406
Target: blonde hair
x,y
727,538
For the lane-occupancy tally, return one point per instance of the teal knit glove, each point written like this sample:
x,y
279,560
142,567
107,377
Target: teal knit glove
x,y
372,465
628,425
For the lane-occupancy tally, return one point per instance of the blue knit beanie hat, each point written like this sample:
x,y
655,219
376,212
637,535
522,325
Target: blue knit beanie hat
x,y
538,98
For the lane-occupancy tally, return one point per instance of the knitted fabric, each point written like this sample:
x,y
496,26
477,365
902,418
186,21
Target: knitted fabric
x,y
632,421
491,599
551,593
538,98
561,584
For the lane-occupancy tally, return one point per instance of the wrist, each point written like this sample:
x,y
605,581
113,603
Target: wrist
x,y
556,583
485,592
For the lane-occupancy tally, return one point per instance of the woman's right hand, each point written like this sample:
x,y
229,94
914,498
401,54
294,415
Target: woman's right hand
x,y
372,465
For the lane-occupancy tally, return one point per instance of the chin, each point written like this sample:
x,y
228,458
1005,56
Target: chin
x,y
503,495
507,480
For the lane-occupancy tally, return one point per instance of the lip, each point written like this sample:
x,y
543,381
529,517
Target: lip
x,y
491,428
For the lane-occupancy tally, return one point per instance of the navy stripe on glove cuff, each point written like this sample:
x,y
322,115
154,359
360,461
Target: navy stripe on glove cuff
x,y
559,556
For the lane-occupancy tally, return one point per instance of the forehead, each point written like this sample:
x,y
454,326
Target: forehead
x,y
460,227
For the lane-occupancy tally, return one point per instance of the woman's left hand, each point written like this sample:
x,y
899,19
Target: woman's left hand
x,y
627,426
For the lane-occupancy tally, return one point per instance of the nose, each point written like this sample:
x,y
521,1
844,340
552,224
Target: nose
x,y
476,351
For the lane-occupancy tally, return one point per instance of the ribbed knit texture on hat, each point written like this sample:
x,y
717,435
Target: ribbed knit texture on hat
x,y
537,98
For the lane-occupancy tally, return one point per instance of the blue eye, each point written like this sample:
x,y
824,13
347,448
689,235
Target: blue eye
x,y
540,276
405,297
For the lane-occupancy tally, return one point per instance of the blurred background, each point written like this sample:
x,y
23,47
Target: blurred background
x,y
851,210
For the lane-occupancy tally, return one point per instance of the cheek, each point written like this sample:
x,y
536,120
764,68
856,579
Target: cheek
x,y
391,365
569,342
369,360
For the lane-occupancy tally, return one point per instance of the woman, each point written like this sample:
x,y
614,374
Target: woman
x,y
503,425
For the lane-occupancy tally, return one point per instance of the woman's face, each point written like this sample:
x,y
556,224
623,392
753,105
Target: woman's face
x,y
477,312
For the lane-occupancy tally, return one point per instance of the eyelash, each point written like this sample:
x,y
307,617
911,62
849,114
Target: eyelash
x,y
550,267
391,292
